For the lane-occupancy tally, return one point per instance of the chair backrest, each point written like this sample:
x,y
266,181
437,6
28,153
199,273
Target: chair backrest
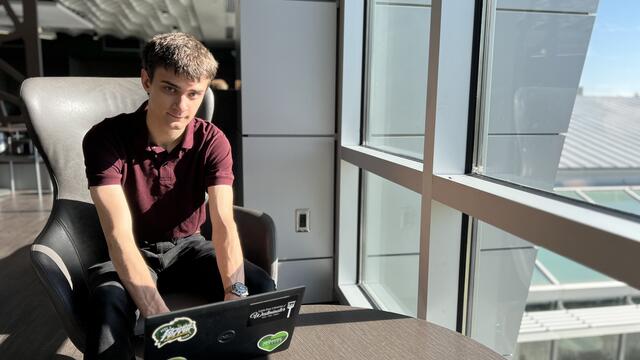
x,y
63,109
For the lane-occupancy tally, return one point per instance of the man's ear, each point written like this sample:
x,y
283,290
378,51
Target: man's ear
x,y
146,80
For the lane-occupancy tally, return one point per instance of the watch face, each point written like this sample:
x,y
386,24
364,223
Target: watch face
x,y
239,289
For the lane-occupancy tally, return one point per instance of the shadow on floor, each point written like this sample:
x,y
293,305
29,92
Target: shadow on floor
x,y
28,322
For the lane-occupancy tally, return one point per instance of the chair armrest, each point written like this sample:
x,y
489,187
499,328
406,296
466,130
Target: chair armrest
x,y
56,280
257,235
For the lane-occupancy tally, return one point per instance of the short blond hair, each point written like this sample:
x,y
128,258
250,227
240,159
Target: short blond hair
x,y
181,52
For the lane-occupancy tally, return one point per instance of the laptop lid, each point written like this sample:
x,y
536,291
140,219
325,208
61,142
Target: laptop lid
x,y
250,327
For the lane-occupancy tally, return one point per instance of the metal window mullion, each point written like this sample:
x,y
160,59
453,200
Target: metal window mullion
x,y
543,269
366,89
484,86
632,193
622,344
554,349
400,171
429,148
584,195
350,90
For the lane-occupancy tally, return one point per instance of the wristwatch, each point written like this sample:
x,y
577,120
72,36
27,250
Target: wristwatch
x,y
238,289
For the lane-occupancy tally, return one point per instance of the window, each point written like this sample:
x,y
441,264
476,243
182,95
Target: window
x,y
385,144
556,114
390,244
501,256
398,44
543,301
561,108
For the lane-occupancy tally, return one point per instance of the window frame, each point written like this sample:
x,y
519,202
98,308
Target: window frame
x,y
445,181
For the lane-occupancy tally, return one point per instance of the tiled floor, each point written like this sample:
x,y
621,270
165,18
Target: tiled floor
x,y
29,326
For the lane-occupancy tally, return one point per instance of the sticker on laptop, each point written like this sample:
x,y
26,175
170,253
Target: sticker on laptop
x,y
271,310
271,342
179,329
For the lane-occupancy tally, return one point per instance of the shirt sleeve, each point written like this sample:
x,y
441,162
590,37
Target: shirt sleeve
x,y
102,161
219,161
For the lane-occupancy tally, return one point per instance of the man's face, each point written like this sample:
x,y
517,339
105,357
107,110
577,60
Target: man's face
x,y
173,100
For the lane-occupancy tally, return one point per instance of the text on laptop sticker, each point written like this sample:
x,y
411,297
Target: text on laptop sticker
x,y
271,310
179,329
272,341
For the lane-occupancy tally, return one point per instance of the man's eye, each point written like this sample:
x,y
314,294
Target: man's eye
x,y
193,95
169,89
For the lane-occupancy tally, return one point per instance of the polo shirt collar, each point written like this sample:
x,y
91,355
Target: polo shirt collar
x,y
142,134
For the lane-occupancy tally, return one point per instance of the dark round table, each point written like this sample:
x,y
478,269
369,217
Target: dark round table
x,y
342,332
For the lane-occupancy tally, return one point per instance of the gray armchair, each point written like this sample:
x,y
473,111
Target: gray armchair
x,y
61,111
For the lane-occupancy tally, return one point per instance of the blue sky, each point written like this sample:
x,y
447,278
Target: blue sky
x,y
612,66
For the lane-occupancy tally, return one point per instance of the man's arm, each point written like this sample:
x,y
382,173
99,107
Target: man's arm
x,y
225,238
115,219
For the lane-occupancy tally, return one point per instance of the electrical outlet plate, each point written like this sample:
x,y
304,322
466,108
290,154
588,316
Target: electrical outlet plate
x,y
302,220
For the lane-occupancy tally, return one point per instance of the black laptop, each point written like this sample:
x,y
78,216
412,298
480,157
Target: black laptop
x,y
246,328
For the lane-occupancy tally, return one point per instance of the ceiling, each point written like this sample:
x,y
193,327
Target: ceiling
x,y
208,20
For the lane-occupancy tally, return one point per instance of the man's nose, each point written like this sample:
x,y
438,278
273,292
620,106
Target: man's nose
x,y
181,103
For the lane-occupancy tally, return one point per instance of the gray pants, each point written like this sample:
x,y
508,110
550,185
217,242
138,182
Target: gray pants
x,y
186,265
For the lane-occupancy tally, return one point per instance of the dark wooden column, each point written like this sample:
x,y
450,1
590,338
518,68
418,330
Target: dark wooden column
x,y
27,31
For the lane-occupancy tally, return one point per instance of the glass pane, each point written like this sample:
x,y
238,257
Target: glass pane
x,y
616,199
590,348
398,44
567,271
632,346
569,194
562,98
540,350
526,297
390,244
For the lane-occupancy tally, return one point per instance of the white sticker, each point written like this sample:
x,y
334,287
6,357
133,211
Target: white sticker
x,y
179,329
290,306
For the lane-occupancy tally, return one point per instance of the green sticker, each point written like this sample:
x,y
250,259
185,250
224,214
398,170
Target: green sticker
x,y
179,329
272,341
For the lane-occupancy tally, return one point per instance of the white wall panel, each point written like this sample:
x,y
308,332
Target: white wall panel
x,y
288,66
315,274
284,174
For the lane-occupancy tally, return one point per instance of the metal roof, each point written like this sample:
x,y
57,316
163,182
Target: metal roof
x,y
574,323
604,133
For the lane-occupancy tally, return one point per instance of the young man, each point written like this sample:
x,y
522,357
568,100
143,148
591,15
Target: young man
x,y
148,172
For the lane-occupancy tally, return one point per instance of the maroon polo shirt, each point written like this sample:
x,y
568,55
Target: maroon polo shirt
x,y
165,191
